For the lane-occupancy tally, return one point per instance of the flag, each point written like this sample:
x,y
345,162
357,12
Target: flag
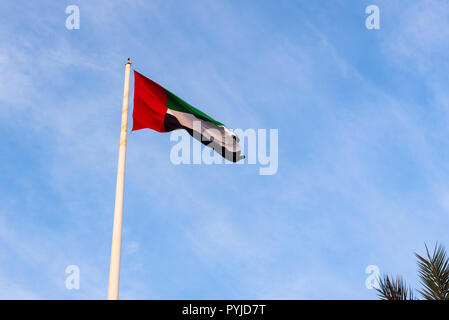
x,y
157,108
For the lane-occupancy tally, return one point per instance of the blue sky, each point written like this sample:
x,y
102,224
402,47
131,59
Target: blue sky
x,y
363,147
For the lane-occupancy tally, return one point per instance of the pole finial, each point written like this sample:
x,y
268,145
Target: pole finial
x,y
128,62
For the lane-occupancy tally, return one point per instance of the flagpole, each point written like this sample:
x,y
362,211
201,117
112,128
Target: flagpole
x,y
114,271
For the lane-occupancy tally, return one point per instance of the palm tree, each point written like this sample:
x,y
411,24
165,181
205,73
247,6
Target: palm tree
x,y
433,272
394,289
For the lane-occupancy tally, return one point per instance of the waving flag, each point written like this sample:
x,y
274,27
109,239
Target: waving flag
x,y
158,109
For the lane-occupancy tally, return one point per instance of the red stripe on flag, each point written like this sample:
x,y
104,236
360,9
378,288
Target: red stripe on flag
x,y
150,104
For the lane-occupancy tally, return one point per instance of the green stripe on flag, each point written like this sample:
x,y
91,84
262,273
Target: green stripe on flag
x,y
176,103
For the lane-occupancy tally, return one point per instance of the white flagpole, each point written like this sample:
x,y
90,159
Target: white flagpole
x,y
114,271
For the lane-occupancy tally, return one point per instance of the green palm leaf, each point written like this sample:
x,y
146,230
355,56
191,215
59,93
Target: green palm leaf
x,y
394,289
434,273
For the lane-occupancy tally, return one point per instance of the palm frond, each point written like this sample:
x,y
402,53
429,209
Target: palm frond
x,y
434,274
394,289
